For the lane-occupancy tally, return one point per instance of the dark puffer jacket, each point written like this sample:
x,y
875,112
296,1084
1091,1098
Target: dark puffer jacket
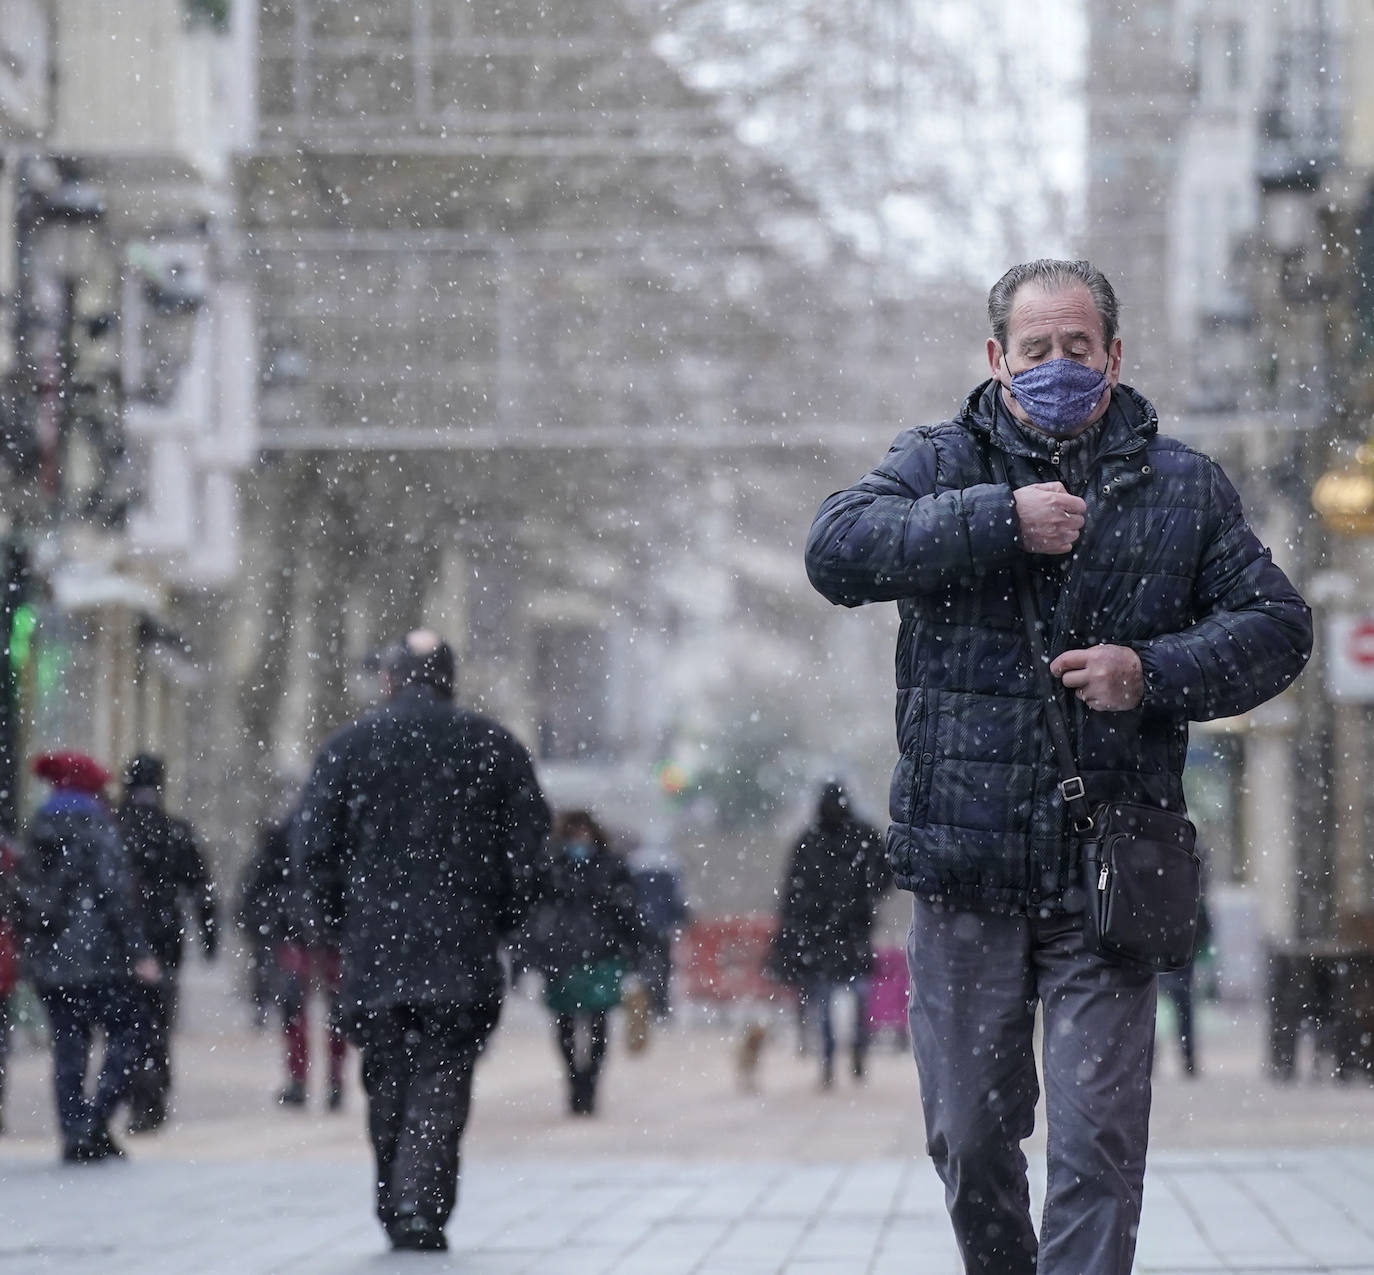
x,y
415,848
1166,564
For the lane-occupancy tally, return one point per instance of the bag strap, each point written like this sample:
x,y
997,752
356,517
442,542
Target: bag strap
x,y
1071,782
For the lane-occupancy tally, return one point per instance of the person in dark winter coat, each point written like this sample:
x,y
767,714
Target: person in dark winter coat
x,y
1160,606
415,844
84,948
584,933
263,913
824,944
170,880
657,875
297,964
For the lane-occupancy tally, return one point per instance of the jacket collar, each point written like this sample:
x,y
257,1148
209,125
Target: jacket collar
x,y
1131,422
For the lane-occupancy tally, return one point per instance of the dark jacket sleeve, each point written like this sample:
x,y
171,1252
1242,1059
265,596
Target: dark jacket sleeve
x,y
526,821
197,886
1254,634
892,536
319,851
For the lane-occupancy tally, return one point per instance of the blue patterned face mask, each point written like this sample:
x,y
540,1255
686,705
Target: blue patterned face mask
x,y
579,850
1059,395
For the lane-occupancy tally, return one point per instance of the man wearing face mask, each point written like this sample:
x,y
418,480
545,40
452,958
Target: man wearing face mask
x,y
1159,606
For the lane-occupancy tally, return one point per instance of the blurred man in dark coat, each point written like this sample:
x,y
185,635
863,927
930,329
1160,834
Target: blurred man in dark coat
x,y
170,879
415,844
824,944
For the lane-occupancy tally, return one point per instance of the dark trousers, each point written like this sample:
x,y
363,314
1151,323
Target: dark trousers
x,y
819,999
582,1042
301,969
975,982
417,1070
656,968
74,1013
152,1081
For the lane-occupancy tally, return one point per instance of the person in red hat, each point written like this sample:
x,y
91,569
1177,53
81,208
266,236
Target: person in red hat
x,y
84,947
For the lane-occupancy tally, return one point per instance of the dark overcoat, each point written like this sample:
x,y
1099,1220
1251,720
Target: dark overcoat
x,y
414,850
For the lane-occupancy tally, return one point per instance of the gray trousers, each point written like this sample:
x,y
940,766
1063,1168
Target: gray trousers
x,y
975,981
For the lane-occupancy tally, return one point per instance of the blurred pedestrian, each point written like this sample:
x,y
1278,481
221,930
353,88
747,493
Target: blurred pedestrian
x,y
84,948
583,936
9,957
1050,485
307,969
294,967
262,914
415,844
835,876
1178,985
657,874
170,880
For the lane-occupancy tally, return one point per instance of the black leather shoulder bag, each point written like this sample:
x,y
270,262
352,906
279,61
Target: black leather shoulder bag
x,y
1142,879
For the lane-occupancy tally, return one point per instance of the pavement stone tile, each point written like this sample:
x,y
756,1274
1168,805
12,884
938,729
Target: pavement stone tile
x,y
680,1174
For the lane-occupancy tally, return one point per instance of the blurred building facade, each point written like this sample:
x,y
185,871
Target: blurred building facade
x,y
1231,180
555,363
128,365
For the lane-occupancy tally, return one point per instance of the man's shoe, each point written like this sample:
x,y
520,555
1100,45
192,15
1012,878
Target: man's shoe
x,y
147,1120
335,1099
418,1235
92,1145
293,1095
104,1147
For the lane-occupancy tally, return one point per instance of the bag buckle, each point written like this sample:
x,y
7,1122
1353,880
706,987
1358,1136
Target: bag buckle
x,y
1072,789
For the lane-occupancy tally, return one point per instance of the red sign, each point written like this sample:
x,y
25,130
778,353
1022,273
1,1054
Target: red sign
x,y
1360,644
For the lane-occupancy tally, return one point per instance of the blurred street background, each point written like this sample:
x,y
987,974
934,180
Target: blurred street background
x,y
547,325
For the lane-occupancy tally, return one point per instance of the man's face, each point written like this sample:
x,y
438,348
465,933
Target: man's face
x,y
1062,323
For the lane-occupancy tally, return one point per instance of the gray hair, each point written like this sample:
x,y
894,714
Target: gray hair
x,y
1053,276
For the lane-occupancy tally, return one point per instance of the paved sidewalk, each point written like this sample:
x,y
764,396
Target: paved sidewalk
x,y
1302,1212
681,1172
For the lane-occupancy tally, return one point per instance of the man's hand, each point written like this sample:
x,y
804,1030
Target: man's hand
x,y
1050,516
1108,679
147,970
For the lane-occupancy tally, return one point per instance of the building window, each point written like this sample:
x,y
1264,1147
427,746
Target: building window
x,y
571,682
1235,56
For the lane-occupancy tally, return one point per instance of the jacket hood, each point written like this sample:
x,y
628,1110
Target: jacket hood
x,y
1134,423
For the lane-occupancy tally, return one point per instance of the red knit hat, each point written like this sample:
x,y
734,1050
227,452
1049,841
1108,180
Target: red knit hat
x,y
68,769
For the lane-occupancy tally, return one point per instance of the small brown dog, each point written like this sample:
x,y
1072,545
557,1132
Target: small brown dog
x,y
748,1053
634,999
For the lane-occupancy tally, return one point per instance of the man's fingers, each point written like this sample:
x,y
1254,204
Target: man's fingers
x,y
1067,660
